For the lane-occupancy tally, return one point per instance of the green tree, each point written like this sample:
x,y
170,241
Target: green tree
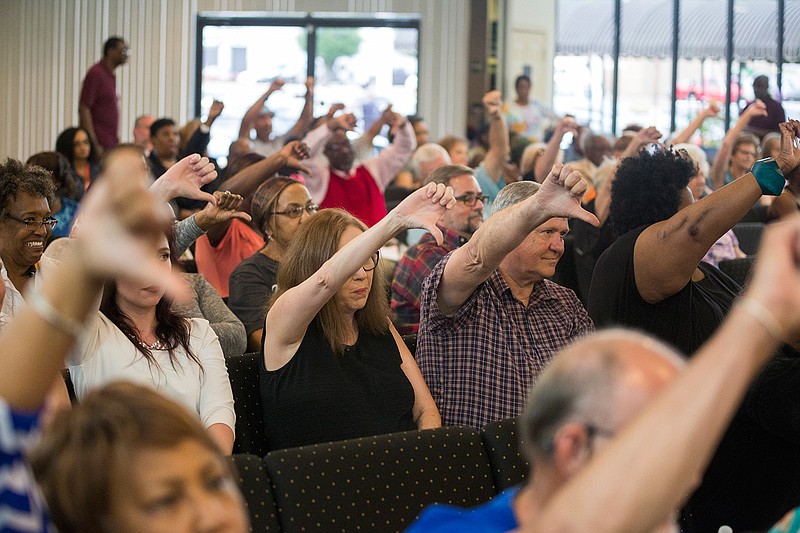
x,y
334,42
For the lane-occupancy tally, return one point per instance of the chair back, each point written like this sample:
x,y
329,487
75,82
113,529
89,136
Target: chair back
x,y
749,235
244,371
254,484
509,466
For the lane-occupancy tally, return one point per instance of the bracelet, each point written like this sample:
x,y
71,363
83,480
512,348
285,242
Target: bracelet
x,y
769,176
763,316
38,303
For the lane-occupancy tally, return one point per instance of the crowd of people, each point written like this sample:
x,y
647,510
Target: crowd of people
x,y
690,380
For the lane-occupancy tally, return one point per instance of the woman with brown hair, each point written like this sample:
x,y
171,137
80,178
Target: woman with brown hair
x,y
279,206
334,366
128,459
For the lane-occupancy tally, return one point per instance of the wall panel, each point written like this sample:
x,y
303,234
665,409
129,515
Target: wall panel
x,y
48,45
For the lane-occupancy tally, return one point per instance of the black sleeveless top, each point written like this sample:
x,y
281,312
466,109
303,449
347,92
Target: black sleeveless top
x,y
686,319
319,396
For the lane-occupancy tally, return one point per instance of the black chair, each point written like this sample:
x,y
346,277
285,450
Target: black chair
x,y
378,483
509,467
411,342
737,269
758,213
254,484
243,371
749,235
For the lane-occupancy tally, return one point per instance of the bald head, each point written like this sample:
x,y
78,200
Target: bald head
x,y
603,380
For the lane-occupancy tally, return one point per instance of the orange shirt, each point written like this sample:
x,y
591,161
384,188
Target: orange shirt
x,y
217,263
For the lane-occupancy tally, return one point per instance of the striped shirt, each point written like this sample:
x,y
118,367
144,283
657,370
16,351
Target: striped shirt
x,y
22,507
480,363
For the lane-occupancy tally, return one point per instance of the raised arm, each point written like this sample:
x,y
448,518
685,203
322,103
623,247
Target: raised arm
x,y
184,179
499,144
290,315
251,114
546,161
306,114
473,263
667,253
720,165
712,110
119,217
319,174
385,166
616,492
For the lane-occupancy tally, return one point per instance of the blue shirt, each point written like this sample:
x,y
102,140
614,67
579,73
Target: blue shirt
x,y
494,516
488,185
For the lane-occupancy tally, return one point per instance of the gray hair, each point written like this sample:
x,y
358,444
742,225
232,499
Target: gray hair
x,y
444,174
514,193
426,154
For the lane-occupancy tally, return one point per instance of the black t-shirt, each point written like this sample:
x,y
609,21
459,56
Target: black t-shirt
x,y
251,285
319,396
685,320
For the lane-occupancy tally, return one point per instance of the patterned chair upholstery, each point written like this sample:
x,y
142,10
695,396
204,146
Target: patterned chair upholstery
x,y
254,483
378,483
243,371
509,467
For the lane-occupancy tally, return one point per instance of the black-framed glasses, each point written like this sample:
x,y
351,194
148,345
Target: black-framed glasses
x,y
372,262
32,224
297,211
470,199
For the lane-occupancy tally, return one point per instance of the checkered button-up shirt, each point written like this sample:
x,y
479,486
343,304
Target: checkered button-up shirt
x,y
415,265
480,363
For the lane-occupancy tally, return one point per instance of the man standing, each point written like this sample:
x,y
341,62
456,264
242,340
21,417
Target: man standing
x,y
761,125
491,320
457,225
99,107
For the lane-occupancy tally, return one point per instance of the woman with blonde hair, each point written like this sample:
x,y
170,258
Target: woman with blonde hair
x,y
334,366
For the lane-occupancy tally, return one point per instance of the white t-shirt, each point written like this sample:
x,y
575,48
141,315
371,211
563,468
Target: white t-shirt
x,y
105,354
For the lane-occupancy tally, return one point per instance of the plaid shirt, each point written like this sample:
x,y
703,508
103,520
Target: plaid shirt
x,y
480,363
411,271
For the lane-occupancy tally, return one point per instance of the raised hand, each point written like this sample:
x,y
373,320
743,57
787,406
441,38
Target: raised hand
x,y
493,102
756,109
121,224
388,115
567,124
295,152
224,209
789,157
309,86
345,122
338,106
561,192
276,85
184,179
423,207
712,110
216,109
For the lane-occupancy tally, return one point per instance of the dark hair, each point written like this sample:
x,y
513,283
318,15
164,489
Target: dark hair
x,y
647,189
87,450
65,147
172,329
265,200
16,176
58,166
112,43
237,164
520,78
414,119
314,243
160,123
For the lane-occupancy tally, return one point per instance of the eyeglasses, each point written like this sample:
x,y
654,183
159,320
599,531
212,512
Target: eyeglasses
x,y
31,224
372,262
470,199
297,211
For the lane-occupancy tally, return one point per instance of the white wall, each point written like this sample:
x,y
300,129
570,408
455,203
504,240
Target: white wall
x,y
530,40
47,46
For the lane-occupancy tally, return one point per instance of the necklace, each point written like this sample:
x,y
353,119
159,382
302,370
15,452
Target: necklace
x,y
157,345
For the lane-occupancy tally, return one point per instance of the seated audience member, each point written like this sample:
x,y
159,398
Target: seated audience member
x,y
206,303
490,172
425,160
457,226
63,207
538,158
165,139
259,118
597,148
739,149
584,398
279,206
137,336
129,459
490,319
727,246
335,366
652,278
686,135
76,145
224,246
121,222
141,133
358,189
457,148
